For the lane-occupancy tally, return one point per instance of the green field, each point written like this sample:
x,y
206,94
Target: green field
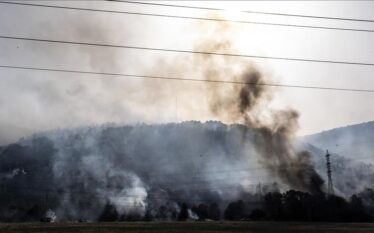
x,y
250,227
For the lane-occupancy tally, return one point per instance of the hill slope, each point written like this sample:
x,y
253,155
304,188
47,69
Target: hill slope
x,y
355,141
134,167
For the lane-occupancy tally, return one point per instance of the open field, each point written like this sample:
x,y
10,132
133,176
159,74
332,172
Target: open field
x,y
250,227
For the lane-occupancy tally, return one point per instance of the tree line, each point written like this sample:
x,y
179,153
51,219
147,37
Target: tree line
x,y
273,206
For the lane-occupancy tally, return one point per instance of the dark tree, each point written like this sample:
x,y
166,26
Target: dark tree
x,y
296,205
273,204
201,211
257,215
131,217
318,208
214,212
147,216
35,213
368,195
161,212
235,211
109,214
337,209
183,215
358,211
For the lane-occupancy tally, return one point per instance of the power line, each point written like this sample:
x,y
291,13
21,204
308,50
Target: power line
x,y
190,17
185,51
183,79
246,11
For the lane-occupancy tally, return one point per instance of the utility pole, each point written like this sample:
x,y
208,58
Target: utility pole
x,y
330,188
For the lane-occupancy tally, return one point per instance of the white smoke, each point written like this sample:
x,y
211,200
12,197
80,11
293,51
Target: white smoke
x,y
13,173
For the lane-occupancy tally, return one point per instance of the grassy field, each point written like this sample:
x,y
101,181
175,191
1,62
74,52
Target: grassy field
x,y
250,227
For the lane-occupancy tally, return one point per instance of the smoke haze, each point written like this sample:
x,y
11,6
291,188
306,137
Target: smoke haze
x,y
137,167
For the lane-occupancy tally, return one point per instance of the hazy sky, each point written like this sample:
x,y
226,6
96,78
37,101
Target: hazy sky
x,y
34,101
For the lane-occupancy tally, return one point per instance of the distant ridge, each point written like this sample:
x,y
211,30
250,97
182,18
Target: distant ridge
x,y
353,141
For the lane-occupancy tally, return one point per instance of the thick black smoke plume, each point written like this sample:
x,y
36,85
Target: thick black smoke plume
x,y
247,103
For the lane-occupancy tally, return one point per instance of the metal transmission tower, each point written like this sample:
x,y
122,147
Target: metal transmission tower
x,y
330,188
